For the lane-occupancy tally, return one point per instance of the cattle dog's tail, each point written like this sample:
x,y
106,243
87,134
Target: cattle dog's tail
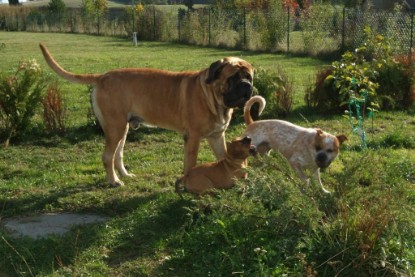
x,y
248,105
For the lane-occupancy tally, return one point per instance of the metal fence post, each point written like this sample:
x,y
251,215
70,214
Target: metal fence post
x,y
412,31
244,27
343,28
209,9
154,22
288,29
178,24
133,13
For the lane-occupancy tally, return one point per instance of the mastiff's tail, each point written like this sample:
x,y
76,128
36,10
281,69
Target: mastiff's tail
x,y
76,78
248,105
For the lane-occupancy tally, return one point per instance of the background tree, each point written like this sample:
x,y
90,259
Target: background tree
x,y
189,4
14,2
251,4
94,9
56,12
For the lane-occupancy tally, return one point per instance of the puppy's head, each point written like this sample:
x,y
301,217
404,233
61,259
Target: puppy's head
x,y
232,79
327,148
241,148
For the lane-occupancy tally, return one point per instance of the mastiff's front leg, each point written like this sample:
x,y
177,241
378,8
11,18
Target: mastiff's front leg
x,y
191,148
218,144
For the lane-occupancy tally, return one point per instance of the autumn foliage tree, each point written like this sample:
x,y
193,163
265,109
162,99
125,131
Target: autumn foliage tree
x,y
94,9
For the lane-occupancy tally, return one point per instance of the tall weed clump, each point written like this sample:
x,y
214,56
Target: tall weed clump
x,y
54,111
20,96
266,28
367,230
194,26
320,28
226,27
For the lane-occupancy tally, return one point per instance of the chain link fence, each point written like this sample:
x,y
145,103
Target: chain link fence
x,y
317,31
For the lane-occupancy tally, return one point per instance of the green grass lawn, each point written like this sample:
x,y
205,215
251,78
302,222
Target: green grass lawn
x,y
268,225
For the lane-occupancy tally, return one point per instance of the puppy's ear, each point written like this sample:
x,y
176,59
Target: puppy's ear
x,y
214,71
341,138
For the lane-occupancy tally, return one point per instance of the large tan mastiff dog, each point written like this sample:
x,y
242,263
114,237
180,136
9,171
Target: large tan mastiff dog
x,y
198,104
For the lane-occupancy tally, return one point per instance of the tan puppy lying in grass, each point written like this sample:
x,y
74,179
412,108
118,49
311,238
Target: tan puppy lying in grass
x,y
221,174
304,148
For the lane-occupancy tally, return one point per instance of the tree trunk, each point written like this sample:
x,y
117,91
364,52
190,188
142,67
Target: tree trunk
x,y
14,2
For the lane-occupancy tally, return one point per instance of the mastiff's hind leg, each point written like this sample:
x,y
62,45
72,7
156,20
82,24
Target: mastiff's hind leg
x,y
119,156
114,138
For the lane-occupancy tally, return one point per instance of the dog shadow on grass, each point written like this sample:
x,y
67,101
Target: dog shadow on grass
x,y
37,136
148,228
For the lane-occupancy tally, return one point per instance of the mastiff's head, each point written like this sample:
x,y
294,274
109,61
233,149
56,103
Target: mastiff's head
x,y
232,78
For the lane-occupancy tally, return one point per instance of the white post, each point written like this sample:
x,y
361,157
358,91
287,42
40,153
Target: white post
x,y
134,38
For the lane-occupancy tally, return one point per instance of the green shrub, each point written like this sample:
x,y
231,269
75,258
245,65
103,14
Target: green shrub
x,y
20,96
277,91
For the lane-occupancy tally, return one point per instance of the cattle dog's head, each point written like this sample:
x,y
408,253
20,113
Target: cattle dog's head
x,y
327,148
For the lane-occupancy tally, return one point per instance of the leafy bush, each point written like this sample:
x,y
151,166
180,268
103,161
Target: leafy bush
x,y
20,94
277,91
397,82
353,77
369,75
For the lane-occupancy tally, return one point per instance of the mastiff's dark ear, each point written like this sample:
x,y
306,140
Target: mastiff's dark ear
x,y
214,71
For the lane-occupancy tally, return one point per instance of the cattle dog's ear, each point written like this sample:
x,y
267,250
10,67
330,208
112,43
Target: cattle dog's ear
x,y
319,132
341,138
319,139
214,71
